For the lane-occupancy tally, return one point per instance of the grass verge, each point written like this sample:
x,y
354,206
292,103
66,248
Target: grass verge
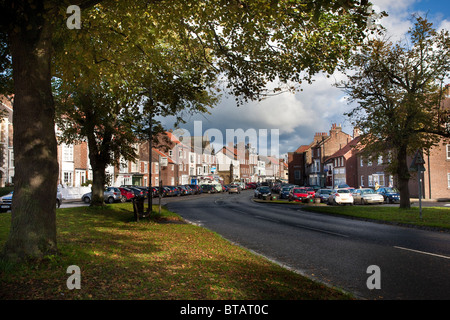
x,y
432,217
158,259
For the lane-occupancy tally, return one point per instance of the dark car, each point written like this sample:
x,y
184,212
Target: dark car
x,y
323,194
208,188
168,192
183,190
262,192
390,195
195,188
284,193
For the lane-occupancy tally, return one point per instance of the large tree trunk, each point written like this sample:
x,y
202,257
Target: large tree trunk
x,y
33,223
403,178
98,185
98,161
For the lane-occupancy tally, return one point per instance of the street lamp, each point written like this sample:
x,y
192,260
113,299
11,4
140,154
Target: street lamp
x,y
150,195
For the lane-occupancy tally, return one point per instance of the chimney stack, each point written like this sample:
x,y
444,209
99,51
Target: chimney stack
x,y
356,132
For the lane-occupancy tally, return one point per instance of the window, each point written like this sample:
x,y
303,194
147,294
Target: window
x,y
448,152
381,180
11,159
448,180
361,162
67,151
380,159
370,181
67,178
362,181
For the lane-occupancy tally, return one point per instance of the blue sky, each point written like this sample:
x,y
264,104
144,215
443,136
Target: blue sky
x,y
299,116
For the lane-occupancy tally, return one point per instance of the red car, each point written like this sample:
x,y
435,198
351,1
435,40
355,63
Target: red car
x,y
311,191
126,194
299,194
251,185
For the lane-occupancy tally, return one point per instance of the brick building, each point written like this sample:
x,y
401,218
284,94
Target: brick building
x,y
436,177
341,166
296,165
306,164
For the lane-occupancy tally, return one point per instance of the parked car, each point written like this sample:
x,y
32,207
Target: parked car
x,y
310,191
299,194
189,189
340,196
251,185
284,193
208,188
366,196
111,194
342,186
6,201
59,199
323,194
262,192
183,191
144,190
126,193
390,195
234,188
276,188
195,188
137,192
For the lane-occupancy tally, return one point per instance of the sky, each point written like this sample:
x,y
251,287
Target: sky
x,y
291,120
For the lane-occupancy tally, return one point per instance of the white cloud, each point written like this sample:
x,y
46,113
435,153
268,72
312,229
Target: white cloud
x,y
299,116
445,25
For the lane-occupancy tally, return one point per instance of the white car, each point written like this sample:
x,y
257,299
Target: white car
x,y
367,195
340,196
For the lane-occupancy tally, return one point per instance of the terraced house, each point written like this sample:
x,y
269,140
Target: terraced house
x,y
347,166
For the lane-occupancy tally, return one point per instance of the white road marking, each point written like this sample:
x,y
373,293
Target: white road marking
x,y
423,252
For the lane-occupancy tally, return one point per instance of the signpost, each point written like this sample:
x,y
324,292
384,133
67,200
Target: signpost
x,y
417,166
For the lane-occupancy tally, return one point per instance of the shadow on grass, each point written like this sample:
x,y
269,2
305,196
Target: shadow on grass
x,y
122,259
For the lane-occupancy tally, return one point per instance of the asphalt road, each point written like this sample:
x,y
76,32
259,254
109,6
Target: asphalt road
x,y
412,264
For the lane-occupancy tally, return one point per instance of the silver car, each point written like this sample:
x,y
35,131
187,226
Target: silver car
x,y
6,201
59,199
323,194
366,196
234,188
111,195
